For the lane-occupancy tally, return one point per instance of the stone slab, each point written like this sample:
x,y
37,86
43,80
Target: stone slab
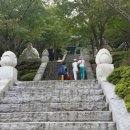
x,y
49,98
62,116
77,92
59,126
50,107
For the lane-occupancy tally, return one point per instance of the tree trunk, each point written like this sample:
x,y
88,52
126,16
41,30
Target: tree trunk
x,y
95,37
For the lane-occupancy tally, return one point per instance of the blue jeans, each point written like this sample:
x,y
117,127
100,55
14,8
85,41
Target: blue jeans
x,y
82,74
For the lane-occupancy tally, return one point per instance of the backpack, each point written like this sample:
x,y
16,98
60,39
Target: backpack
x,y
61,70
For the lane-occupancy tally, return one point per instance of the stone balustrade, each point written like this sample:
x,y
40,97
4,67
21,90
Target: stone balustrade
x,y
44,60
7,69
8,73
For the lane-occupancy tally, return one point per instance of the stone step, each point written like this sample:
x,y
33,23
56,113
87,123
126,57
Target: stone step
x,y
73,116
59,126
50,89
55,92
51,107
57,84
60,86
66,98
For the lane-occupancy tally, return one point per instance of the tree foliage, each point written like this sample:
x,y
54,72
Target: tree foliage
x,y
24,21
45,24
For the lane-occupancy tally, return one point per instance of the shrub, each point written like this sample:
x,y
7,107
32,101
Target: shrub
x,y
121,90
26,69
127,97
121,78
125,72
115,76
119,58
28,76
128,106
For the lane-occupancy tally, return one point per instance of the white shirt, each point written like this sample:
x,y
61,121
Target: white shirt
x,y
75,66
81,63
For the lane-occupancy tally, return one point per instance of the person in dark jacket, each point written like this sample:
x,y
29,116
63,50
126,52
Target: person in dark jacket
x,y
51,53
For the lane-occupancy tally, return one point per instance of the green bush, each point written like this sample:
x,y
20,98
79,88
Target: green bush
x,y
118,57
115,76
28,76
121,78
121,90
26,69
127,97
128,106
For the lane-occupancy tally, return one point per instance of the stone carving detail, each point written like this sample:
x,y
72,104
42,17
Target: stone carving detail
x,y
8,63
8,59
45,55
104,65
29,53
103,57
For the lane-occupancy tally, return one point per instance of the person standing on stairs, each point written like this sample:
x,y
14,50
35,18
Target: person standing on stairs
x,y
51,53
63,71
81,63
75,68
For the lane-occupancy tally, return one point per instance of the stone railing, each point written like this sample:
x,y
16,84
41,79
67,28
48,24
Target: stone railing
x,y
63,58
43,66
4,86
8,73
44,60
117,105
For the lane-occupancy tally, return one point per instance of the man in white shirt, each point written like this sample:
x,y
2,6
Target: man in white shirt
x,y
75,68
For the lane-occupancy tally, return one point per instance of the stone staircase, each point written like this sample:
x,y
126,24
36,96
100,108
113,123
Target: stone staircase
x,y
51,71
55,105
52,68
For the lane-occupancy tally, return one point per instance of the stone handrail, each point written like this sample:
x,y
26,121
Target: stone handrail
x,y
63,58
117,105
4,86
41,70
43,65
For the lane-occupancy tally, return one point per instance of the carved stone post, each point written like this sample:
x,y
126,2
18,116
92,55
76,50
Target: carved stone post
x,y
45,56
104,65
7,69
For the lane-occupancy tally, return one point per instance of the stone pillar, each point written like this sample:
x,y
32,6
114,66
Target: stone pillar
x,y
45,56
104,65
7,69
